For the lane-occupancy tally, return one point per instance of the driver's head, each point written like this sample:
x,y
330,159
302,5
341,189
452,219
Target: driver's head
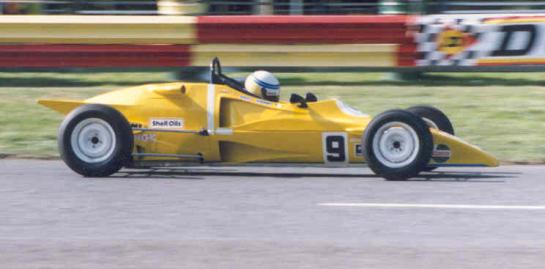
x,y
264,85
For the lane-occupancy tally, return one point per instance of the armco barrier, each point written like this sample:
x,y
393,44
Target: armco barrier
x,y
302,29
51,55
97,29
331,55
170,41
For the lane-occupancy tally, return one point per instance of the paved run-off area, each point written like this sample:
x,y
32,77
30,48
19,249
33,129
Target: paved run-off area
x,y
270,217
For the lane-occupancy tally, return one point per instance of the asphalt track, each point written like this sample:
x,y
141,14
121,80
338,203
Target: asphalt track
x,y
270,217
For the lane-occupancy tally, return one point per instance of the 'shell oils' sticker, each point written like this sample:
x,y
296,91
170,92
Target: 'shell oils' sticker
x,y
166,123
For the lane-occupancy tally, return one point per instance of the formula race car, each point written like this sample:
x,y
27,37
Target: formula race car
x,y
220,122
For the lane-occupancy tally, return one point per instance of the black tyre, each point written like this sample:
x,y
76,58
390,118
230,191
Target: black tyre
x,y
397,145
434,117
95,140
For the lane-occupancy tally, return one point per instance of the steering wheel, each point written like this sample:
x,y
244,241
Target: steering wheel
x,y
217,77
215,70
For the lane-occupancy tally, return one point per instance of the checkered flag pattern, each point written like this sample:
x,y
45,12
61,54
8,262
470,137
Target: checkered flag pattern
x,y
427,42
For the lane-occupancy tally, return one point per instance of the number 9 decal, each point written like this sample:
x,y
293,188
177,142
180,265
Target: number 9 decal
x,y
335,147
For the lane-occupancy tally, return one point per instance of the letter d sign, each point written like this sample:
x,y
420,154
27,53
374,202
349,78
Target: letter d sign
x,y
506,47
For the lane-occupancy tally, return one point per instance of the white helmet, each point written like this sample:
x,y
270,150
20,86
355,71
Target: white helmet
x,y
263,84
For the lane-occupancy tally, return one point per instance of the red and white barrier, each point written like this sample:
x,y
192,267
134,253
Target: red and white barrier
x,y
281,41
436,42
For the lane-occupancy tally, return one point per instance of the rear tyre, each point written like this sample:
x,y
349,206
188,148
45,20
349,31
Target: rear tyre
x,y
95,140
435,118
397,145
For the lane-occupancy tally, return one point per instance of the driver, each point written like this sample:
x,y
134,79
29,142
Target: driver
x,y
263,84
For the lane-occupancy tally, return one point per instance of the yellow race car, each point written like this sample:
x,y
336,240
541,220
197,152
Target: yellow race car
x,y
220,122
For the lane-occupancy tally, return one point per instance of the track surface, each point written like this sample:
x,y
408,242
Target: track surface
x,y
232,217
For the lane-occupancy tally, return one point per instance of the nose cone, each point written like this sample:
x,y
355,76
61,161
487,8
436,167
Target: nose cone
x,y
463,153
489,159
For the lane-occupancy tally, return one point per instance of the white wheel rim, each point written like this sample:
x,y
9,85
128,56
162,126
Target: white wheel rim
x,y
93,140
396,144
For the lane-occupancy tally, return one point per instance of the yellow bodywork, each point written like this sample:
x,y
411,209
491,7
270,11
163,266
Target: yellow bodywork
x,y
245,129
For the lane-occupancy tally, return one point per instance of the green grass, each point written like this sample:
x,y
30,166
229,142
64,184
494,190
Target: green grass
x,y
79,78
503,113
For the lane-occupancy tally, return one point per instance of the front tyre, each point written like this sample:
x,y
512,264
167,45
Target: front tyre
x,y
433,117
397,145
95,140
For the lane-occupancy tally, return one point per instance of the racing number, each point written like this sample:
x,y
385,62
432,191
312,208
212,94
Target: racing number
x,y
335,147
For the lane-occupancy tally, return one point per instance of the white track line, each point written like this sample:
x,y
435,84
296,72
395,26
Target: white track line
x,y
442,206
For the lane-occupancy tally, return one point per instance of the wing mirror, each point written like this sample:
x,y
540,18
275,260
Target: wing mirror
x,y
311,97
296,98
